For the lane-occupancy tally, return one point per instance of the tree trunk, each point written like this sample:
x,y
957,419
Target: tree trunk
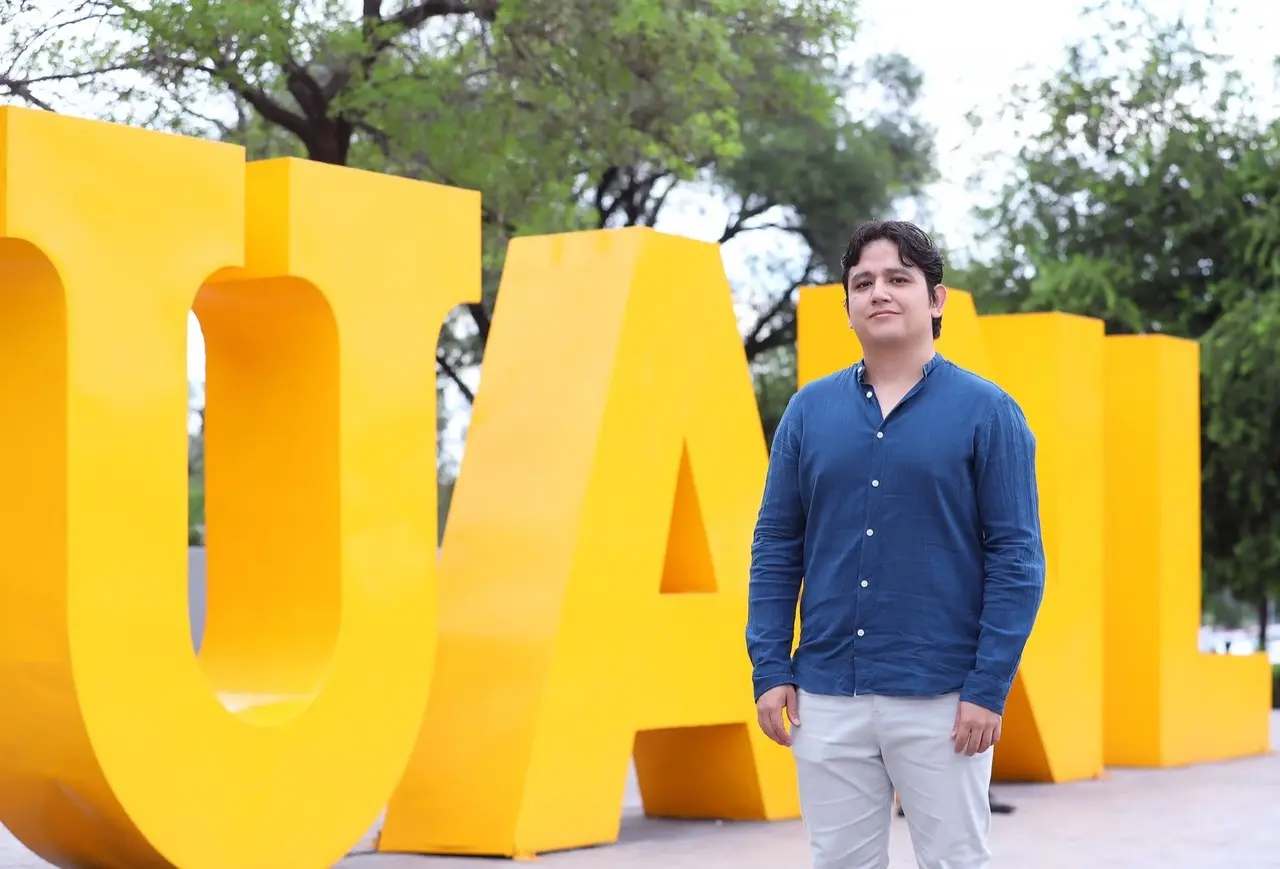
x,y
1264,612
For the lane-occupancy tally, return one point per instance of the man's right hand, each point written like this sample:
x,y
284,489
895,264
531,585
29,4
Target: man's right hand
x,y
775,709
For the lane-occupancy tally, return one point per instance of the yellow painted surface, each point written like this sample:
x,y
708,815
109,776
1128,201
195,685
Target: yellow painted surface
x,y
825,343
1166,703
592,591
595,568
115,751
1052,365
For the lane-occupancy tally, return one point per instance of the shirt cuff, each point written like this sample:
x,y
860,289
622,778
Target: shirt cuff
x,y
986,692
772,679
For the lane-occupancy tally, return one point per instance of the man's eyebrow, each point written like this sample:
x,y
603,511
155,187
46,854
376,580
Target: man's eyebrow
x,y
901,270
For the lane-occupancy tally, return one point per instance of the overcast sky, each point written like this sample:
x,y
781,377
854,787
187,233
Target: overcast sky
x,y
973,53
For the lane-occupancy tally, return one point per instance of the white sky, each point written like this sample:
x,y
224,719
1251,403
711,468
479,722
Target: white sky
x,y
972,54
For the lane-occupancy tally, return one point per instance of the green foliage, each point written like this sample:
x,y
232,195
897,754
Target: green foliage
x,y
805,181
1220,608
1146,197
1275,686
836,171
566,114
195,509
775,379
526,100
1241,395
983,280
1132,201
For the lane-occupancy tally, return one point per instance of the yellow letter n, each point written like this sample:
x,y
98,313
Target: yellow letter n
x,y
594,576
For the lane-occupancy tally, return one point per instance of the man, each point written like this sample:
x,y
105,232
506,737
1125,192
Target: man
x,y
903,491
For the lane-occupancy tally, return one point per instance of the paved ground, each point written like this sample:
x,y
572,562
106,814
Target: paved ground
x,y
1219,815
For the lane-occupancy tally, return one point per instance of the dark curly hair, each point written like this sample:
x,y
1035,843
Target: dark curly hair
x,y
915,248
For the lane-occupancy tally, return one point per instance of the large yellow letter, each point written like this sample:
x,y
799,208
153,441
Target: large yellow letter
x,y
1052,365
594,576
1166,704
114,748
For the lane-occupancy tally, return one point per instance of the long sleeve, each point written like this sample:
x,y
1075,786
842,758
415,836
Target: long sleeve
x,y
1014,561
777,560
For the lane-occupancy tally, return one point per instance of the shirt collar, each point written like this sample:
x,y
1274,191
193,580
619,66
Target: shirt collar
x,y
860,368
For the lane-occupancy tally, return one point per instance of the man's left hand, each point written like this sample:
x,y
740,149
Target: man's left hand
x,y
976,729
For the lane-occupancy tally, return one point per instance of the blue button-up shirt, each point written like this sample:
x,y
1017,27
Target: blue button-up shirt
x,y
917,536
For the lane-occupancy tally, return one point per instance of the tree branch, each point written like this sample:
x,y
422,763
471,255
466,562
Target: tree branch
x,y
481,318
22,91
413,17
656,203
305,90
21,87
258,99
605,210
454,375
737,225
628,190
759,340
779,337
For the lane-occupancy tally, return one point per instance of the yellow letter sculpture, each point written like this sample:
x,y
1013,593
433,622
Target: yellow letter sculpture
x,y
594,577
593,585
1052,364
328,288
1166,703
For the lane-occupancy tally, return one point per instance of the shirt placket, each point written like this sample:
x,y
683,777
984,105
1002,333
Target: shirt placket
x,y
877,465
863,579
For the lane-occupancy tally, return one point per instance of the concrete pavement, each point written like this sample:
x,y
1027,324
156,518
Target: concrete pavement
x,y
1220,815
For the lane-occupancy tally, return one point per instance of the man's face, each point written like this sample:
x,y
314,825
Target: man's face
x,y
889,302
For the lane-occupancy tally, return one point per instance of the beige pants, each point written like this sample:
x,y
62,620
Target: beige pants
x,y
852,753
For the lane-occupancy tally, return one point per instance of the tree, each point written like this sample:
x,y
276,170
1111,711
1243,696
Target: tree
x,y
1143,197
537,103
1124,202
803,183
817,177
1241,396
567,114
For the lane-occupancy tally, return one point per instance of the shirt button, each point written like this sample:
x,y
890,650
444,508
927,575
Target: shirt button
x,y
875,483
860,632
868,393
864,583
879,434
870,532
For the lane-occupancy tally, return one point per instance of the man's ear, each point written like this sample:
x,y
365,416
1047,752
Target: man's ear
x,y
939,300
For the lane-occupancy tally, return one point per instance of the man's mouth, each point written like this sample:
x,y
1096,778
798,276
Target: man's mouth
x,y
883,314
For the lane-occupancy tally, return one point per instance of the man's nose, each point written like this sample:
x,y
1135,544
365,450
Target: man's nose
x,y
879,292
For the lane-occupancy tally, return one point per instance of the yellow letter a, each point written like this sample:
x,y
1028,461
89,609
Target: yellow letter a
x,y
616,414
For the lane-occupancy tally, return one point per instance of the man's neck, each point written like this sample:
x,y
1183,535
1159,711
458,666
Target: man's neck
x,y
886,365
